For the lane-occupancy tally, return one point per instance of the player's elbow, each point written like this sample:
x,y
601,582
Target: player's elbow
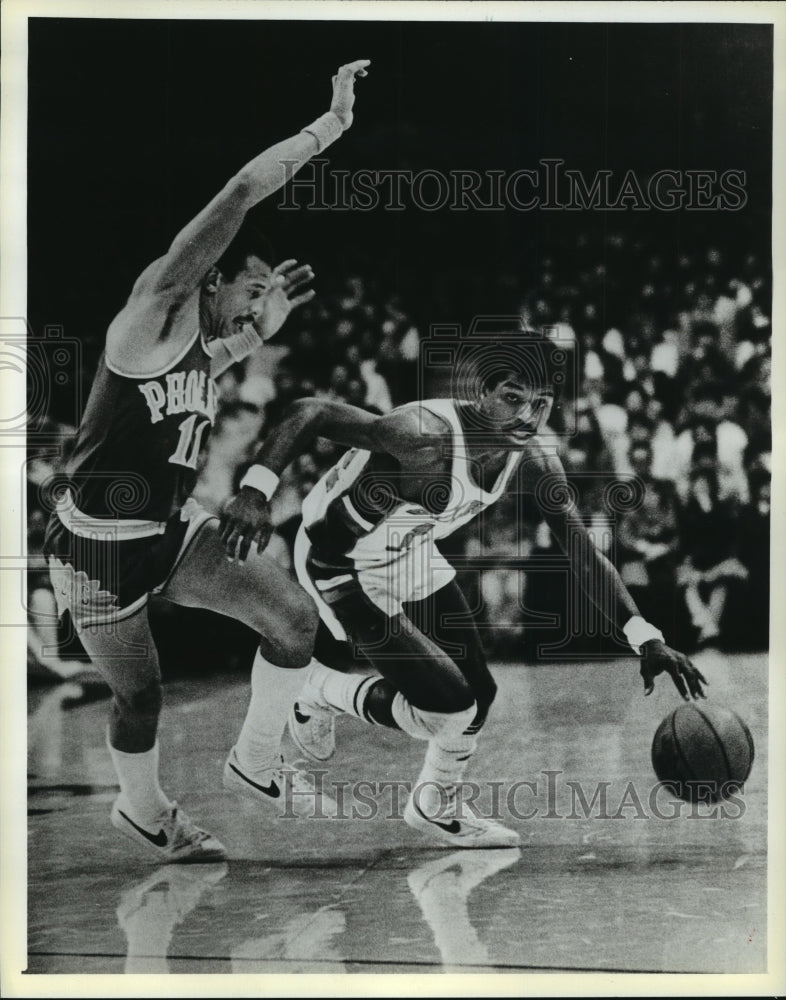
x,y
306,412
245,189
308,407
240,190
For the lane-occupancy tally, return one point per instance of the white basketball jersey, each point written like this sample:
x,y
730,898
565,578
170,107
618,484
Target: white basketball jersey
x,y
340,519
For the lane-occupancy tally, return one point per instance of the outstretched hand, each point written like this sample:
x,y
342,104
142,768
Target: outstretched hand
x,y
284,294
245,519
657,658
344,90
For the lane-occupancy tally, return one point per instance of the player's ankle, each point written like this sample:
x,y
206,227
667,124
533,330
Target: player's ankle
x,y
146,810
257,761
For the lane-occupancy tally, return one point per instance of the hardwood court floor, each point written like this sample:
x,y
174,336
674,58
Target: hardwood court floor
x,y
632,893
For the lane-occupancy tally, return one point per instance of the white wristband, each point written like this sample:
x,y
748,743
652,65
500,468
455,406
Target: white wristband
x,y
240,345
638,631
261,478
326,129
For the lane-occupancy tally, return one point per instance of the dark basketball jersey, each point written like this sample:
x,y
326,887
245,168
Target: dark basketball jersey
x,y
137,447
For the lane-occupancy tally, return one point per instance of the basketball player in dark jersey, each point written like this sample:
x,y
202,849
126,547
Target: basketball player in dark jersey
x,y
125,526
367,554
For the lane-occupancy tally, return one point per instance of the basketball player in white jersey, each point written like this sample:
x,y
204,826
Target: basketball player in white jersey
x,y
366,552
126,525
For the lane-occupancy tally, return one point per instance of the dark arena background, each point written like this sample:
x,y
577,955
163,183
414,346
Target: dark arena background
x,y
641,238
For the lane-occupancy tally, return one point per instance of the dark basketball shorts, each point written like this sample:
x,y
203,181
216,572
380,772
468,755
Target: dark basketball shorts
x,y
104,571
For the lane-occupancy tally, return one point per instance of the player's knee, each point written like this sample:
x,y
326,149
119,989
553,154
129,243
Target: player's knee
x,y
484,689
458,697
294,640
303,634
141,704
379,703
301,617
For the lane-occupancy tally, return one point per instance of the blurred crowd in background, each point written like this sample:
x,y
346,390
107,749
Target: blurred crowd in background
x,y
670,358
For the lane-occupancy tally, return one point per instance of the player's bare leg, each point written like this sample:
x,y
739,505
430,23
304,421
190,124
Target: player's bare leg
x,y
259,593
125,655
420,691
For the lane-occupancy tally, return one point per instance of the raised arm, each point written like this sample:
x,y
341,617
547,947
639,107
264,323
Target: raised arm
x,y
402,433
153,323
200,244
600,581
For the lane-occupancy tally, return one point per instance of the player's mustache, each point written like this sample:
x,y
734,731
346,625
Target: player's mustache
x,y
514,426
521,426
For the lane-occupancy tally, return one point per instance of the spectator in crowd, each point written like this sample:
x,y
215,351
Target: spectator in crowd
x,y
54,653
648,539
672,383
500,587
753,545
232,446
288,387
754,411
709,549
705,422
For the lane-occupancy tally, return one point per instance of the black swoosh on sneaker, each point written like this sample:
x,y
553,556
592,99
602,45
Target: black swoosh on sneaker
x,y
157,839
452,827
272,789
299,717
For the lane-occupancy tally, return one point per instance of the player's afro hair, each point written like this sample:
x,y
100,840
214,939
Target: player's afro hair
x,y
526,356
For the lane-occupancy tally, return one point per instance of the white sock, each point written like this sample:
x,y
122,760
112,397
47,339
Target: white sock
x,y
422,724
447,757
345,692
273,690
138,777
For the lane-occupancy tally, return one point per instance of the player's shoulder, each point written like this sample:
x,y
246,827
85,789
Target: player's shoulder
x,y
413,433
417,420
149,331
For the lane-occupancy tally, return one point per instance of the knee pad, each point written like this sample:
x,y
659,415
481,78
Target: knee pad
x,y
424,725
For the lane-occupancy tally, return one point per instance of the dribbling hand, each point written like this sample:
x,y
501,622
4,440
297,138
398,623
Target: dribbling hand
x,y
657,658
245,519
344,90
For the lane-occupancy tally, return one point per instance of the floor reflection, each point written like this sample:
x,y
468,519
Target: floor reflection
x,y
150,910
45,730
442,888
306,943
310,939
367,897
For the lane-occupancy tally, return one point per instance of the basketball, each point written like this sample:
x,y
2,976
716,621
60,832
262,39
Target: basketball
x,y
706,751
